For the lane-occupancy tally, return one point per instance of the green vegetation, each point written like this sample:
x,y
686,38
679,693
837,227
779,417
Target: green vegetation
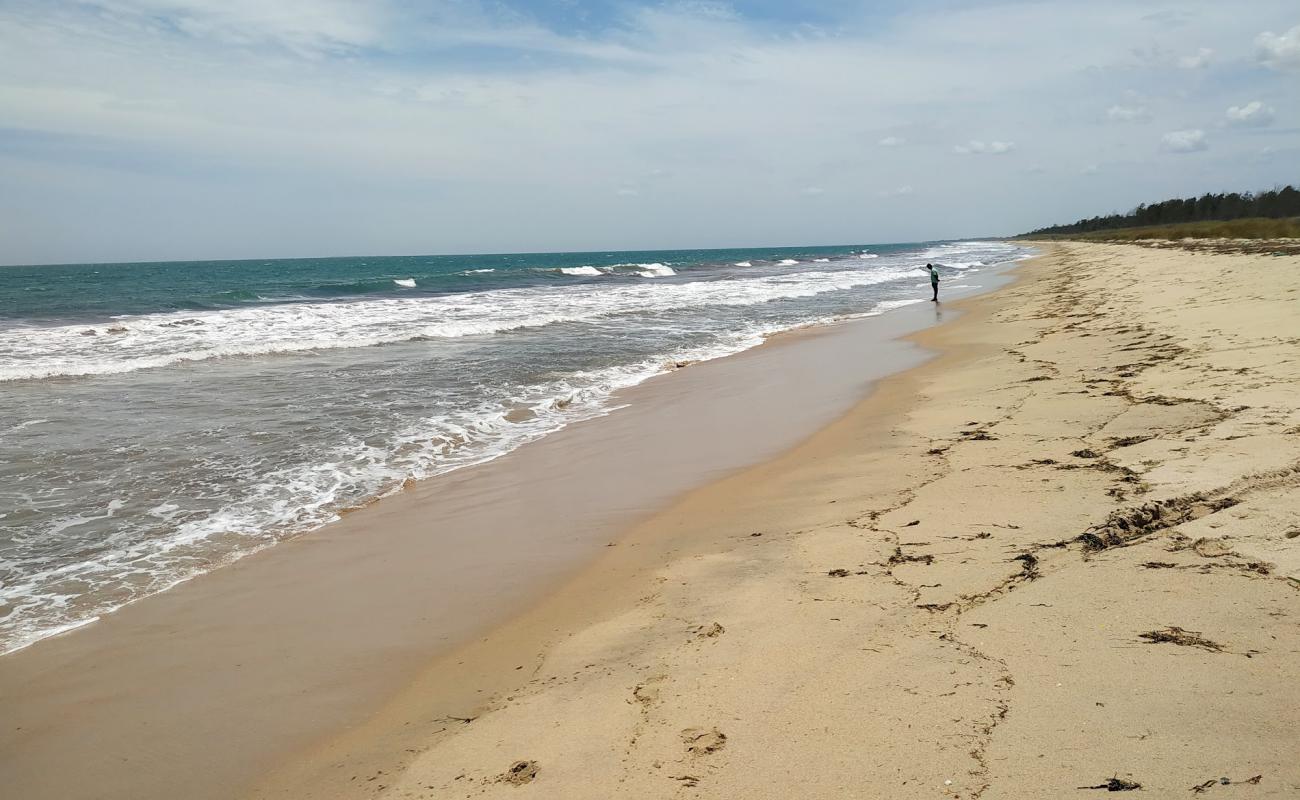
x,y
1252,228
1197,217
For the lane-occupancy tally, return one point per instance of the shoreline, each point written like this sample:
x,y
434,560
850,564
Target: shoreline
x,y
233,649
909,600
459,685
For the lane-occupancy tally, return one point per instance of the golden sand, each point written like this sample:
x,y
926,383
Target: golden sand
x,y
1063,556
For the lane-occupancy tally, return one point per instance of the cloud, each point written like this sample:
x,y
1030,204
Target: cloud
x,y
1185,141
1201,58
1280,52
812,190
304,26
151,129
1252,115
1091,169
1128,114
977,147
901,191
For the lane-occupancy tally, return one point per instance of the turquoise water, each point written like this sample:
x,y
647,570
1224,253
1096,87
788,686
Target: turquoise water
x,y
101,291
160,420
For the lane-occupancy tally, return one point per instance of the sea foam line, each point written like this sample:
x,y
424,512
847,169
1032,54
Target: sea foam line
x,y
160,340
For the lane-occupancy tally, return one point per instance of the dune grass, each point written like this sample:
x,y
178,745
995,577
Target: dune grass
x,y
1248,228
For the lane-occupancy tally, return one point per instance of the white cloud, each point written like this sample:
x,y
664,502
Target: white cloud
x,y
305,26
892,141
316,126
813,190
1201,58
1128,114
1185,141
1252,115
1091,169
977,147
900,191
1280,52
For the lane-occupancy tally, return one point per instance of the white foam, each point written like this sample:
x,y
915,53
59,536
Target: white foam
x,y
821,260
296,499
156,340
300,497
868,255
786,262
655,270
743,264
23,425
408,283
477,271
581,271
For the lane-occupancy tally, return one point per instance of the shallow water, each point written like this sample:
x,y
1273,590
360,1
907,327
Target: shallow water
x,y
158,420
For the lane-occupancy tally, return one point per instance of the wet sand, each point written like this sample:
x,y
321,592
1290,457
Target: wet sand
x,y
1061,558
199,691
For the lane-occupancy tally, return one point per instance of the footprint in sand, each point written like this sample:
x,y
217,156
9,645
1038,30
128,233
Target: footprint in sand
x,y
701,742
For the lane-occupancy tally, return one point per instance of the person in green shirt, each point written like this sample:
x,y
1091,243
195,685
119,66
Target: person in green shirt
x,y
934,282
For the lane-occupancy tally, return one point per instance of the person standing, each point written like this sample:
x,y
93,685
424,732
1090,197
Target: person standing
x,y
934,282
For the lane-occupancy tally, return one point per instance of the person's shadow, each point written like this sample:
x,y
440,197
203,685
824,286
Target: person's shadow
x,y
938,312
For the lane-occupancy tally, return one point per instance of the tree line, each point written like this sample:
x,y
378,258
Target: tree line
x,y
1274,203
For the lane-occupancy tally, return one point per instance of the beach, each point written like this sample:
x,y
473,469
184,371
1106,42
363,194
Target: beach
x,y
237,669
1062,552
1061,556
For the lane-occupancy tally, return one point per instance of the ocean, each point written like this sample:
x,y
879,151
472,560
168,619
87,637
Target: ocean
x,y
159,420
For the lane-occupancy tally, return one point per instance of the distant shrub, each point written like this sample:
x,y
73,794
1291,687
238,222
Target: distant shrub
x,y
1253,228
1275,204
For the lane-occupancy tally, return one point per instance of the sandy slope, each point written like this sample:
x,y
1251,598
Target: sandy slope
x,y
944,594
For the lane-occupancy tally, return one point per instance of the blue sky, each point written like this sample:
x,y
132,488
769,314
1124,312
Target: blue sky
x,y
176,129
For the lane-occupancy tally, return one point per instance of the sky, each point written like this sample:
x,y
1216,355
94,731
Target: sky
x,y
203,129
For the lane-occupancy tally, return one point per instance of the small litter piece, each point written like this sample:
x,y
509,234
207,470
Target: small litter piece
x,y
520,772
1176,635
1200,788
838,573
1116,784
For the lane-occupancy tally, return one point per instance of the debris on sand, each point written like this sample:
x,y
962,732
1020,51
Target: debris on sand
x,y
700,742
1178,636
1127,525
838,573
898,557
520,772
1028,566
1086,453
1129,441
1116,784
712,631
1201,787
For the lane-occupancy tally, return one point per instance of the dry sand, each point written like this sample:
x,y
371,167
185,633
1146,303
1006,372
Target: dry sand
x,y
1061,557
